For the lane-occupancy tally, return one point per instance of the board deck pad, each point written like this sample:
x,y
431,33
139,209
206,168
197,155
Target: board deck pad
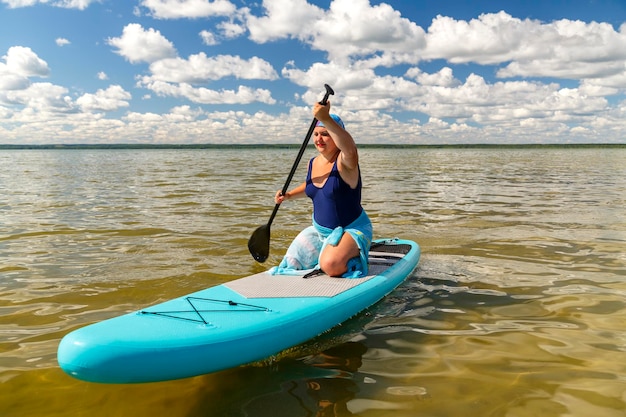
x,y
265,285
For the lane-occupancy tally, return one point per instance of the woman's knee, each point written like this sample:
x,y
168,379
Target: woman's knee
x,y
332,266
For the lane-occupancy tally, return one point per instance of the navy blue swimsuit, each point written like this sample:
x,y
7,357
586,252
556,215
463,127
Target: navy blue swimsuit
x,y
336,203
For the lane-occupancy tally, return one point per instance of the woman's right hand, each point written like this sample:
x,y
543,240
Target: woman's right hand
x,y
279,197
297,192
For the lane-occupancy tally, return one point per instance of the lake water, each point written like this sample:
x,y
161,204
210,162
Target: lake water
x,y
517,307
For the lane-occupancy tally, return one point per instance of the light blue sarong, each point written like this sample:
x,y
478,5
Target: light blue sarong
x,y
304,252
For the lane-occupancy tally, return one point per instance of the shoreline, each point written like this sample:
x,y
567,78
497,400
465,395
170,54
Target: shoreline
x,y
295,145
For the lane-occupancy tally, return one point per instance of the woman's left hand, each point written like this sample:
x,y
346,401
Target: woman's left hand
x,y
322,112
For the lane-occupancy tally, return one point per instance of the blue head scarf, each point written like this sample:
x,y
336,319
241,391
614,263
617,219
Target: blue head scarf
x,y
335,118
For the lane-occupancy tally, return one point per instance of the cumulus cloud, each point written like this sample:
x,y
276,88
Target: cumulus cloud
x,y
349,29
14,4
185,113
42,97
11,81
67,4
592,53
243,94
442,96
489,39
561,49
344,77
362,35
361,89
62,42
354,28
111,99
208,38
31,100
178,77
140,45
74,4
19,92
22,61
284,19
483,103
176,9
444,77
199,68
231,29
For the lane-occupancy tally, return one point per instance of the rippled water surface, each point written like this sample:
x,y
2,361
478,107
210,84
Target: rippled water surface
x,y
517,307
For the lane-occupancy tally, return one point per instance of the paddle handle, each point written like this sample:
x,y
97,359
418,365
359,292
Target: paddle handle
x,y
329,92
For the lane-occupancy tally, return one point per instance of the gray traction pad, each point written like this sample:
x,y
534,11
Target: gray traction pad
x,y
264,285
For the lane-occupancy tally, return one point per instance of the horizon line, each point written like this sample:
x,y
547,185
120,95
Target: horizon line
x,y
292,145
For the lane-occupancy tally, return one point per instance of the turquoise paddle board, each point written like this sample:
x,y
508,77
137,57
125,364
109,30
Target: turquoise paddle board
x,y
232,324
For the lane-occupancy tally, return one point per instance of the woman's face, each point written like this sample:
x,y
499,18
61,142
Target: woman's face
x,y
322,139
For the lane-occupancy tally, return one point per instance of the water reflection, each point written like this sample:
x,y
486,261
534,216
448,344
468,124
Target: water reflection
x,y
328,395
319,385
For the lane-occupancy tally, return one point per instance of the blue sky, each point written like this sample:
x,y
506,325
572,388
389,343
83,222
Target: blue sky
x,y
228,71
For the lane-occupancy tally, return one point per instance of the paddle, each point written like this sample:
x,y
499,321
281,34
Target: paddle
x,y
259,243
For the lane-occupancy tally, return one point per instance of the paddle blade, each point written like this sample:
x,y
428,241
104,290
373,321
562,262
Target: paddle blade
x,y
259,243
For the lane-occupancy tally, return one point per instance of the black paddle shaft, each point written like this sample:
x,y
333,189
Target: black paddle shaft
x,y
329,91
260,240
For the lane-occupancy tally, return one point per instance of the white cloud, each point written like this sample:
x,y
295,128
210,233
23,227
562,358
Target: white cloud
x,y
11,81
561,68
17,91
14,4
185,113
177,9
231,30
528,48
562,49
442,78
67,4
74,4
375,36
208,38
111,99
200,68
360,88
139,45
178,77
62,42
489,39
442,96
350,29
102,76
341,77
22,61
243,94
284,19
486,103
42,97
354,28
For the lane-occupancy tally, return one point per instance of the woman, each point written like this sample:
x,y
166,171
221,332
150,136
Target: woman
x,y
339,240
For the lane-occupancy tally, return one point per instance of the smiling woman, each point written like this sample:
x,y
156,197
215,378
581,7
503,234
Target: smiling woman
x,y
339,240
194,71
